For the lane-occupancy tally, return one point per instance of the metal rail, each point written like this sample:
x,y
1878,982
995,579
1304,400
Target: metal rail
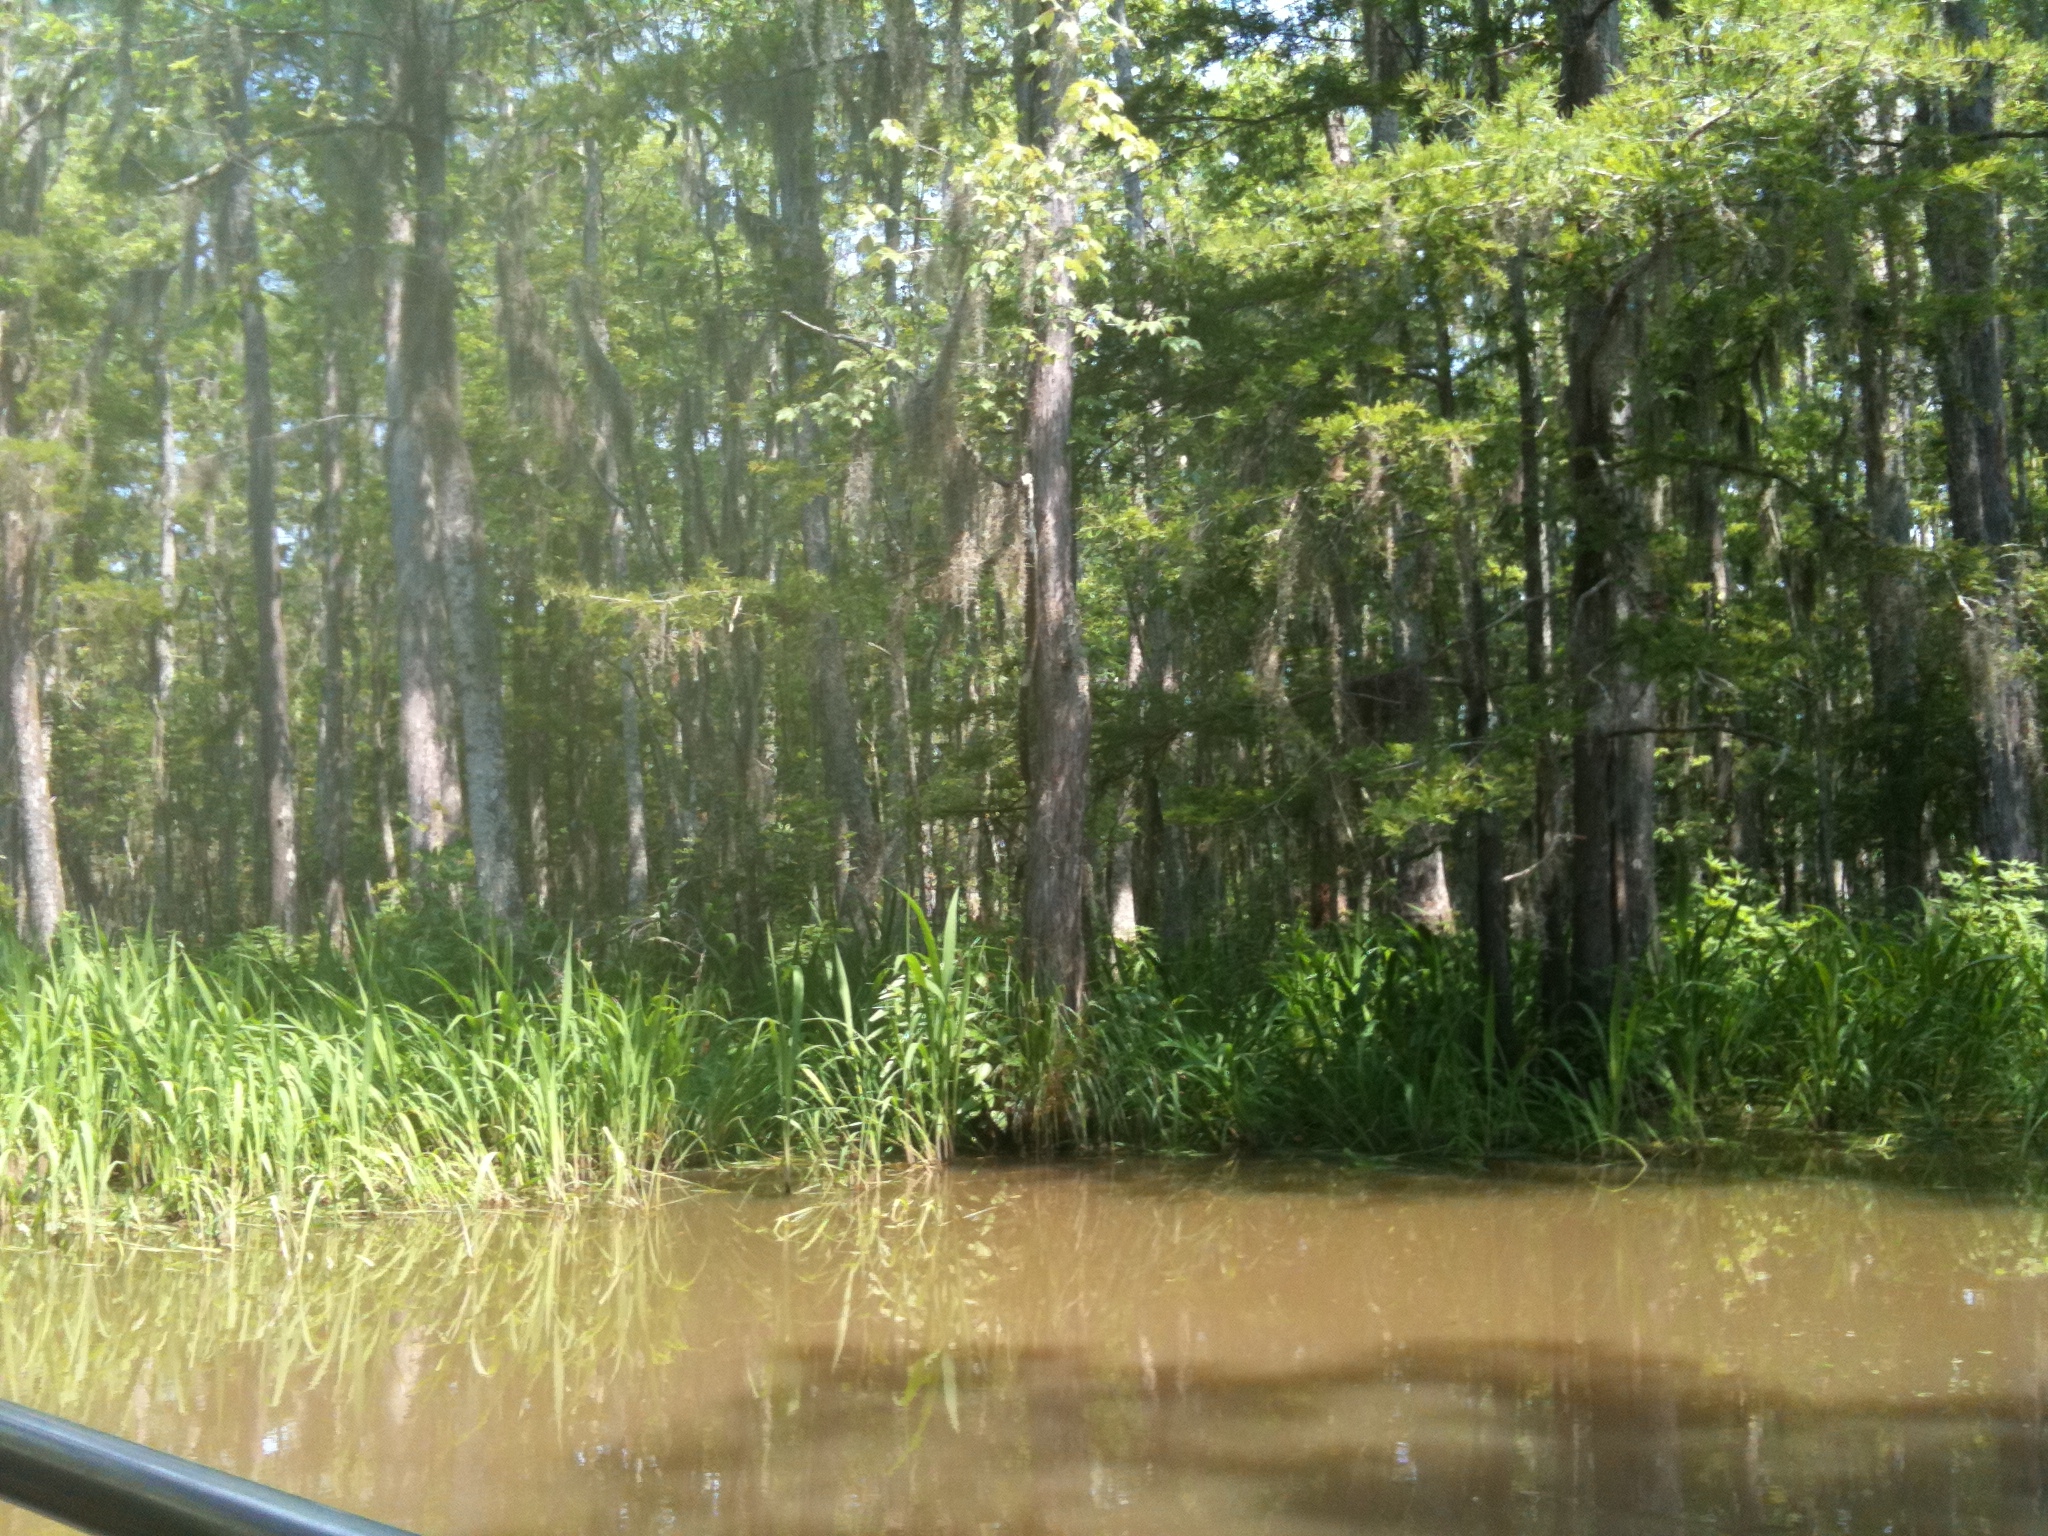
x,y
113,1487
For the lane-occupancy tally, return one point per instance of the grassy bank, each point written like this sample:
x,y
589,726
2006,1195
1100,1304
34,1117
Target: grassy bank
x,y
140,1081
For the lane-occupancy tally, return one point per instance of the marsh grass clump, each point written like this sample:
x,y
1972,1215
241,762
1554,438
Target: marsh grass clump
x,y
141,1080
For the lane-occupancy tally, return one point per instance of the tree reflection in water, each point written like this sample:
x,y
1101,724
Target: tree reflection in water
x,y
1134,1349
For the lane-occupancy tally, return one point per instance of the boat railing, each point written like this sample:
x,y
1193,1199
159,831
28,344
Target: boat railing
x,y
113,1487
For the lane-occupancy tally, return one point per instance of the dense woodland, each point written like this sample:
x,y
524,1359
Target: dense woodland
x,y
1137,470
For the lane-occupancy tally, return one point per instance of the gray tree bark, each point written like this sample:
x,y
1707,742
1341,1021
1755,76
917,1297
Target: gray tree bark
x,y
426,752
1891,595
538,395
426,58
839,732
163,651
1057,713
906,858
24,512
1546,843
1489,855
611,457
337,581
41,891
1963,259
1614,899
805,355
277,811
1386,64
1422,890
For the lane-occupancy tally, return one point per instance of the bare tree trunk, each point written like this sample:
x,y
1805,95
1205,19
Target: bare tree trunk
x,y
538,394
839,735
1489,858
636,781
1490,891
1422,892
275,800
387,841
1962,251
1126,82
1614,746
1123,882
741,813
1891,595
24,498
630,757
1589,51
618,489
42,877
1708,530
1553,982
539,835
1386,66
1056,712
433,788
1487,38
907,831
431,386
1123,885
337,577
1545,835
163,653
838,724
230,718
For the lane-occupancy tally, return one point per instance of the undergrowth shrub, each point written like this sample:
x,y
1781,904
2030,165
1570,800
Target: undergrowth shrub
x,y
141,1080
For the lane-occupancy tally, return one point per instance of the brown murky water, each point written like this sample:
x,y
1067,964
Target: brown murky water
x,y
1142,1349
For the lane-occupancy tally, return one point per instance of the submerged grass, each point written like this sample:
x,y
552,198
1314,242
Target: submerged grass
x,y
142,1082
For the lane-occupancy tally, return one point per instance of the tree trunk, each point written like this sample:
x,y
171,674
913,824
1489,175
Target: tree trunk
x,y
1422,892
1614,902
431,389
1123,881
1489,858
277,813
1545,840
1386,65
908,829
808,366
24,503
331,765
636,781
611,457
839,734
1891,595
42,878
1708,530
433,789
1056,708
1161,846
163,653
538,395
1962,252
1126,82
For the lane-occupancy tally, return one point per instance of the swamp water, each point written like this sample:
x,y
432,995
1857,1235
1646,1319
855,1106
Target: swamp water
x,y
1141,1348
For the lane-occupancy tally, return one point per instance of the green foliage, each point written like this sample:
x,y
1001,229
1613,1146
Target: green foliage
x,y
790,264
140,1081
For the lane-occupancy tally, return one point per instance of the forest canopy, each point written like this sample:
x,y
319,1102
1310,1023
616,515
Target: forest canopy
x,y
1132,470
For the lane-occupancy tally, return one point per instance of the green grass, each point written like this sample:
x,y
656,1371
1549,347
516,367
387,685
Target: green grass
x,y
142,1082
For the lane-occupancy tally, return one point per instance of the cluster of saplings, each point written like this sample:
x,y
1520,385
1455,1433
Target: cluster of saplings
x,y
591,589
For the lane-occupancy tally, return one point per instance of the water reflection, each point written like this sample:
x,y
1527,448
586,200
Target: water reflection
x,y
1136,1350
